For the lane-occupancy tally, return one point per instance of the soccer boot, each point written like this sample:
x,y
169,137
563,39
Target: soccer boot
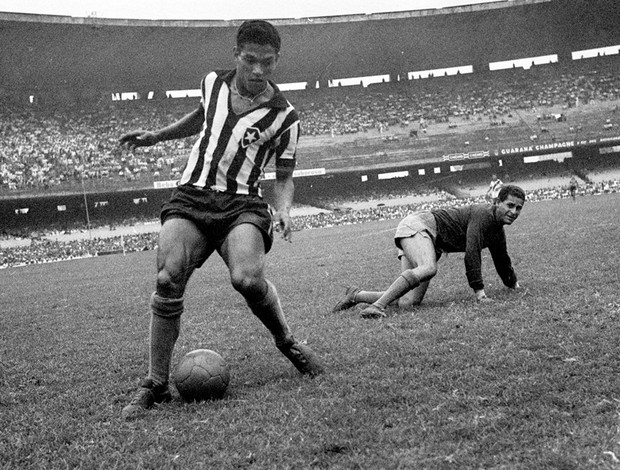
x,y
372,311
303,358
348,300
147,396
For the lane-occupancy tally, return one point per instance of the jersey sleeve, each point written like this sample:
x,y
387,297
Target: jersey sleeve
x,y
501,260
473,252
286,143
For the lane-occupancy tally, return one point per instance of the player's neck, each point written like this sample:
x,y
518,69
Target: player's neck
x,y
242,102
245,95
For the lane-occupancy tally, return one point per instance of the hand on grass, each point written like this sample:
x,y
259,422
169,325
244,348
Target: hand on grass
x,y
481,296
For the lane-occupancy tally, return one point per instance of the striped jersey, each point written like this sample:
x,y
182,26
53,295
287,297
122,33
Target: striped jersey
x,y
232,150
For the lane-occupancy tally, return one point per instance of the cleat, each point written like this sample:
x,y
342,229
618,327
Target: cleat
x,y
372,311
147,396
303,358
348,300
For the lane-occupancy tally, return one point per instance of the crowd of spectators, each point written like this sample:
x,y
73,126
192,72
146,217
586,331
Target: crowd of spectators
x,y
387,212
492,97
45,250
45,147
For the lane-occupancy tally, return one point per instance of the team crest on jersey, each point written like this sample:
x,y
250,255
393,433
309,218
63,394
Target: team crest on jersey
x,y
251,135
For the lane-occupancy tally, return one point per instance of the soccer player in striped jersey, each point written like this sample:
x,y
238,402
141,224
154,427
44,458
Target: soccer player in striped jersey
x,y
243,121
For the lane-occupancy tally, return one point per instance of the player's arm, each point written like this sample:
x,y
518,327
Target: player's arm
x,y
187,126
503,263
473,258
284,191
284,188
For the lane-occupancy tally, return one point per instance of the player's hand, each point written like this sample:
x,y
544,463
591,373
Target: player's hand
x,y
481,296
134,139
283,224
517,289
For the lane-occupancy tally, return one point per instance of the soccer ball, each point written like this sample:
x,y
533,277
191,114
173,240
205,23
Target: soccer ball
x,y
201,375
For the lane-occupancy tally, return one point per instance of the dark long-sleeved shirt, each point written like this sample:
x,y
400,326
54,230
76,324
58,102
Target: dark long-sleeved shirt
x,y
470,229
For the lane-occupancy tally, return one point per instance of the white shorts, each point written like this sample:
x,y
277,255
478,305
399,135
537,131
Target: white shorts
x,y
422,223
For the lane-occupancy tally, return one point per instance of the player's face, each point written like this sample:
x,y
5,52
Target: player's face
x,y
509,209
255,65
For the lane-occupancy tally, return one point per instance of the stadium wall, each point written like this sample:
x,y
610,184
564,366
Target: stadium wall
x,y
83,57
70,210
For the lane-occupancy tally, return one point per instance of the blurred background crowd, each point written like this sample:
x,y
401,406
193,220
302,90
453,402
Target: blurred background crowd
x,y
43,148
50,247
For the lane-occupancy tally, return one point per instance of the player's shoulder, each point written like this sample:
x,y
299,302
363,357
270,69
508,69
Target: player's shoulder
x,y
481,211
280,101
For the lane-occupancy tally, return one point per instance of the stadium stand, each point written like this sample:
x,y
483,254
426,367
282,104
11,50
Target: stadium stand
x,y
449,129
46,249
43,149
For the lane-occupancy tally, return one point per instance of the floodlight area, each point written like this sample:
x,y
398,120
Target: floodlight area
x,y
293,86
393,174
598,52
524,63
363,81
183,93
461,70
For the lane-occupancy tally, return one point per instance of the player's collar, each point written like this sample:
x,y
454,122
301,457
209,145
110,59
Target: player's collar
x,y
277,100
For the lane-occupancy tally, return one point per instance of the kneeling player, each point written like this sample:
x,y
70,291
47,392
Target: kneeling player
x,y
421,237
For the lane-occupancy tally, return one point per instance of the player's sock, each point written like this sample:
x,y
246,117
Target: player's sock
x,y
269,312
164,332
405,282
367,297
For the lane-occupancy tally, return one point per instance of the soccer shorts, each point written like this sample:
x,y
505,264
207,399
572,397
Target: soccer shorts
x,y
216,213
422,223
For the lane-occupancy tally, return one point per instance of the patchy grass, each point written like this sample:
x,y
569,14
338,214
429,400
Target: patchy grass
x,y
529,381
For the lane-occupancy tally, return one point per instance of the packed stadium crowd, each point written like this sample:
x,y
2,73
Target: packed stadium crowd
x,y
43,147
492,97
45,250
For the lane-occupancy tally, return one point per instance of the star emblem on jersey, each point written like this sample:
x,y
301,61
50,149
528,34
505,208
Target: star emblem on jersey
x,y
250,136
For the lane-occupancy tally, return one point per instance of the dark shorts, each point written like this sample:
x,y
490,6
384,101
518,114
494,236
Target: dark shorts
x,y
216,213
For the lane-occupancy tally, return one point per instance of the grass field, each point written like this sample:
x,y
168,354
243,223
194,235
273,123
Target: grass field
x,y
530,381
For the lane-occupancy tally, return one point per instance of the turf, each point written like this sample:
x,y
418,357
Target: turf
x,y
529,381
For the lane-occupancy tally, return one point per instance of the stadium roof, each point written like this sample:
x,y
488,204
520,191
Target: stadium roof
x,y
46,18
52,54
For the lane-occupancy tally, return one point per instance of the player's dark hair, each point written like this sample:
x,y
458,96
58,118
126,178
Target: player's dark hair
x,y
258,32
510,190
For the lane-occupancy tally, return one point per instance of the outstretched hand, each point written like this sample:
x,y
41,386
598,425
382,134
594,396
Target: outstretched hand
x,y
140,138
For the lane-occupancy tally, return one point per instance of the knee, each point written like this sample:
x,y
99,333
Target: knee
x,y
409,301
248,282
426,272
170,284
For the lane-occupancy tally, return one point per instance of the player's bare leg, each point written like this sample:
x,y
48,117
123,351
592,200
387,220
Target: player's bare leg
x,y
244,254
415,296
420,252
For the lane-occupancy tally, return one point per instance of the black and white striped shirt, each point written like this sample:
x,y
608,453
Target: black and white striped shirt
x,y
233,149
